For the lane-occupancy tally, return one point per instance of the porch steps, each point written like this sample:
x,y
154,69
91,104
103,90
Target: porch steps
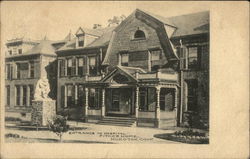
x,y
118,121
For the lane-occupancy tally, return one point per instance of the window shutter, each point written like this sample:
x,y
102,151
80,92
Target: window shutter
x,y
62,96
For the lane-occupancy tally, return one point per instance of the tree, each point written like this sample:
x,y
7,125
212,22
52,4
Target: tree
x,y
96,26
116,20
59,126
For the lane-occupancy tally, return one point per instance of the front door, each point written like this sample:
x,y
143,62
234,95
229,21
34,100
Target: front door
x,y
121,101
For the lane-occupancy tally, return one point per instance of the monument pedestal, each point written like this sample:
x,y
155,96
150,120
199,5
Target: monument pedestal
x,y
42,111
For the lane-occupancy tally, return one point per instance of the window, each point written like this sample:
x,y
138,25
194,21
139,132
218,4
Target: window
x,y
70,96
9,70
94,98
139,35
24,95
192,57
19,51
80,66
71,70
7,95
31,93
32,69
115,100
143,99
22,70
92,66
81,95
18,91
167,99
62,67
14,50
10,52
81,41
155,55
124,59
192,95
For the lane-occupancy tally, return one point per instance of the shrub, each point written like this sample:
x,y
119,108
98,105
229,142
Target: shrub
x,y
59,126
193,120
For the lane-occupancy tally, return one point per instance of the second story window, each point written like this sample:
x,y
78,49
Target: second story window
x,y
22,70
32,69
155,55
71,69
80,66
10,52
19,51
62,68
192,57
92,66
9,70
124,59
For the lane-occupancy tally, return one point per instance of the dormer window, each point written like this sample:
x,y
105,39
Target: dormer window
x,y
80,40
139,34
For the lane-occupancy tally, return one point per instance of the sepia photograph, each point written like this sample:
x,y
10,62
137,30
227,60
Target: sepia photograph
x,y
105,73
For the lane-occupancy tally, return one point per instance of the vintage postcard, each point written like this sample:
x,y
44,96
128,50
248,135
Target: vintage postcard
x,y
101,74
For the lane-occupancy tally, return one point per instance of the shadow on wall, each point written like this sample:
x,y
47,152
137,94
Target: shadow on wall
x,y
52,78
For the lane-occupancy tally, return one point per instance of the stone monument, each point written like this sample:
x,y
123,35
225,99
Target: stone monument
x,y
43,107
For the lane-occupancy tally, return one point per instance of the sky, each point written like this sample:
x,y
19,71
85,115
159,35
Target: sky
x,y
37,19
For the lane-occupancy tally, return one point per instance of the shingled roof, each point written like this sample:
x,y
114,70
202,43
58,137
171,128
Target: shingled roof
x,y
44,47
103,40
191,24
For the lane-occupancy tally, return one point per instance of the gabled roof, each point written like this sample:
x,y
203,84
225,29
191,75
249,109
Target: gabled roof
x,y
191,24
129,72
94,32
103,40
188,24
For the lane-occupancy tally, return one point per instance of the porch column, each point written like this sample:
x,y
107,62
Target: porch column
x,y
157,108
65,96
86,104
136,103
103,103
175,105
76,94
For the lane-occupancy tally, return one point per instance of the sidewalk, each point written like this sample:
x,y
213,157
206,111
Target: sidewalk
x,y
94,133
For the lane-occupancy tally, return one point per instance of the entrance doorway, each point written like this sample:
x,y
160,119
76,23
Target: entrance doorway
x,y
120,102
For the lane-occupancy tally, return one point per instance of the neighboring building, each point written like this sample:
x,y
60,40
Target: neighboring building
x,y
26,61
149,68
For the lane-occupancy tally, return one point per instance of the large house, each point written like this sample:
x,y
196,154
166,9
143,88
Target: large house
x,y
147,71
